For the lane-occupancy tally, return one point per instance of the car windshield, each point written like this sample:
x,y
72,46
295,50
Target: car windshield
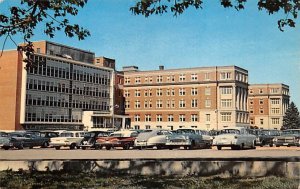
x,y
89,135
16,135
67,134
185,131
291,132
116,135
230,131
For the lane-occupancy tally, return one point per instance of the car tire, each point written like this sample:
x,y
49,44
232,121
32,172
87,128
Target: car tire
x,y
72,146
170,148
126,147
83,148
277,146
242,146
108,147
45,145
21,146
57,147
6,148
219,147
271,145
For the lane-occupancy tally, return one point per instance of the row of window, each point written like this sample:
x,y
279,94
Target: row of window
x,y
274,121
51,118
168,104
225,117
64,73
171,92
271,91
181,78
51,102
33,84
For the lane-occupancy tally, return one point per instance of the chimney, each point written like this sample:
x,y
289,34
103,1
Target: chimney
x,y
161,67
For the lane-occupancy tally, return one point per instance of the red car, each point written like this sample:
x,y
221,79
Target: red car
x,y
124,139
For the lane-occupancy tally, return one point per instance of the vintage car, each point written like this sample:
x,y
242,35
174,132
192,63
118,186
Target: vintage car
x,y
89,139
124,139
235,137
289,137
152,138
265,136
207,139
69,139
187,138
24,139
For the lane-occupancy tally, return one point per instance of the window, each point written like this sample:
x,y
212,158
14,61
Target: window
x,y
207,116
261,101
274,90
137,79
159,104
168,93
126,93
275,101
207,76
147,117
261,121
226,103
137,117
182,117
159,92
127,80
136,127
207,103
194,91
182,103
159,79
194,103
159,118
148,127
261,91
172,103
250,91
261,111
182,77
137,93
275,121
194,77
172,77
182,92
194,117
207,91
225,75
225,117
127,104
275,110
170,117
251,101
226,90
145,104
137,104
172,92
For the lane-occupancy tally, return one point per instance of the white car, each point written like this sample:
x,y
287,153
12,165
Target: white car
x,y
152,138
234,137
69,139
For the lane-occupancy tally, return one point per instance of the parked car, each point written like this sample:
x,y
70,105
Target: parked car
x,y
289,137
89,139
69,139
124,139
235,137
3,138
152,138
24,139
207,139
265,136
187,138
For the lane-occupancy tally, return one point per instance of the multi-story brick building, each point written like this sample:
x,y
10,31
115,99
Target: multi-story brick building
x,y
204,98
65,90
267,105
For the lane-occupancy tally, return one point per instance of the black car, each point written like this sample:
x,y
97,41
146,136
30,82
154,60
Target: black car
x,y
21,140
90,138
265,136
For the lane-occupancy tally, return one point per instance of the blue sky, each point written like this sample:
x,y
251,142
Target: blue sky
x,y
213,36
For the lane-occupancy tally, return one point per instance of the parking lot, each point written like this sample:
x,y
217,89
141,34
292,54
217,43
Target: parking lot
x,y
65,153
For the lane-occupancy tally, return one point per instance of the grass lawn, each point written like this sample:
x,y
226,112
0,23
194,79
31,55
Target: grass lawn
x,y
58,179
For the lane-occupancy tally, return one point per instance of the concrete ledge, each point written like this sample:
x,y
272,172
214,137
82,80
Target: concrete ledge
x,y
201,167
